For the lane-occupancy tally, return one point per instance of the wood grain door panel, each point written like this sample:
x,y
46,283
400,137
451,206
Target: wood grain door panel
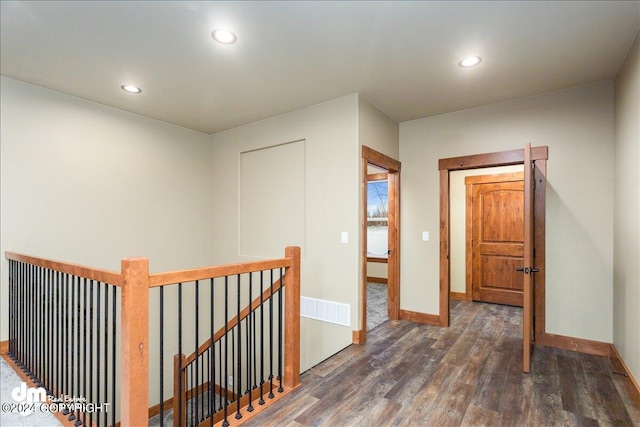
x,y
497,233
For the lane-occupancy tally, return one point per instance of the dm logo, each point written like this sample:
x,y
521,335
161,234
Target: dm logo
x,y
28,395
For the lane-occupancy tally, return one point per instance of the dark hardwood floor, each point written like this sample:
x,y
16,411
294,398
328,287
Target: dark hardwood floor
x,y
469,374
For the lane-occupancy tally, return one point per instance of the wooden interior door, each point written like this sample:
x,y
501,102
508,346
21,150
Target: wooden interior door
x,y
495,227
528,269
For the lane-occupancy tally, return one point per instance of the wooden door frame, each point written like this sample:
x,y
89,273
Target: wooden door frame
x,y
392,166
477,161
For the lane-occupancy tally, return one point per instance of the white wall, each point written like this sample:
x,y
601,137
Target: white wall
x,y
577,125
329,268
626,250
376,130
91,185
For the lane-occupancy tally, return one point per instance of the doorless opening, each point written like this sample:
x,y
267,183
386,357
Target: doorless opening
x,y
392,168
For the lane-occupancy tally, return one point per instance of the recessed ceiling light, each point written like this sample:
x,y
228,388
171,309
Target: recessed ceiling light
x,y
131,88
224,36
470,61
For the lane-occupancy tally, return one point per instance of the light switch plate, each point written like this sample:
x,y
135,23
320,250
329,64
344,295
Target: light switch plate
x,y
345,237
425,236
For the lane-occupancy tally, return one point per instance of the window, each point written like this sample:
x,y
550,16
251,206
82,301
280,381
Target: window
x,y
377,214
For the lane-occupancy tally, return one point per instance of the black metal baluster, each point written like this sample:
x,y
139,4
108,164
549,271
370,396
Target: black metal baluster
x,y
280,389
98,402
196,341
50,326
34,334
190,391
238,379
212,358
249,347
72,387
27,340
209,391
78,352
17,313
271,337
261,401
254,346
84,345
58,338
41,323
106,352
225,423
64,386
17,329
22,315
233,364
113,356
91,286
202,390
161,356
181,416
223,394
28,312
67,303
35,363
25,316
11,306
20,328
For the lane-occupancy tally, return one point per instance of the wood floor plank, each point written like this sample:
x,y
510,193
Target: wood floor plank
x,y
408,386
470,374
607,404
479,417
419,408
633,410
284,414
452,408
574,389
458,354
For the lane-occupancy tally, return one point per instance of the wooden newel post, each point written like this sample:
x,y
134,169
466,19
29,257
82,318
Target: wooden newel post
x,y
179,391
292,319
134,397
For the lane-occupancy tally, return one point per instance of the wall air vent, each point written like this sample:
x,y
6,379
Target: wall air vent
x,y
326,311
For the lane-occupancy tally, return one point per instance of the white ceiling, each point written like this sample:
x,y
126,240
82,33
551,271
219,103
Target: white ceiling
x,y
401,56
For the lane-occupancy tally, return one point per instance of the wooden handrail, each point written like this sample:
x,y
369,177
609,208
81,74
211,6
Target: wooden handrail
x,y
183,276
104,276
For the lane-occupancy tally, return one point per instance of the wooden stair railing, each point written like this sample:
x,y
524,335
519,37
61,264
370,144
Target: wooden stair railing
x,y
251,401
49,292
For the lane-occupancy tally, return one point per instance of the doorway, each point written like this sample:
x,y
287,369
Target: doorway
x,y
382,168
377,246
494,238
512,157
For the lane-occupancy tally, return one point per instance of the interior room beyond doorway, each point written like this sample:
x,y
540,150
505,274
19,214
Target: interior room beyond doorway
x,y
458,217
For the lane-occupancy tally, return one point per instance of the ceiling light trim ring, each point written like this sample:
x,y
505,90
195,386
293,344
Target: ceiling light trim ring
x,y
470,61
131,89
224,36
